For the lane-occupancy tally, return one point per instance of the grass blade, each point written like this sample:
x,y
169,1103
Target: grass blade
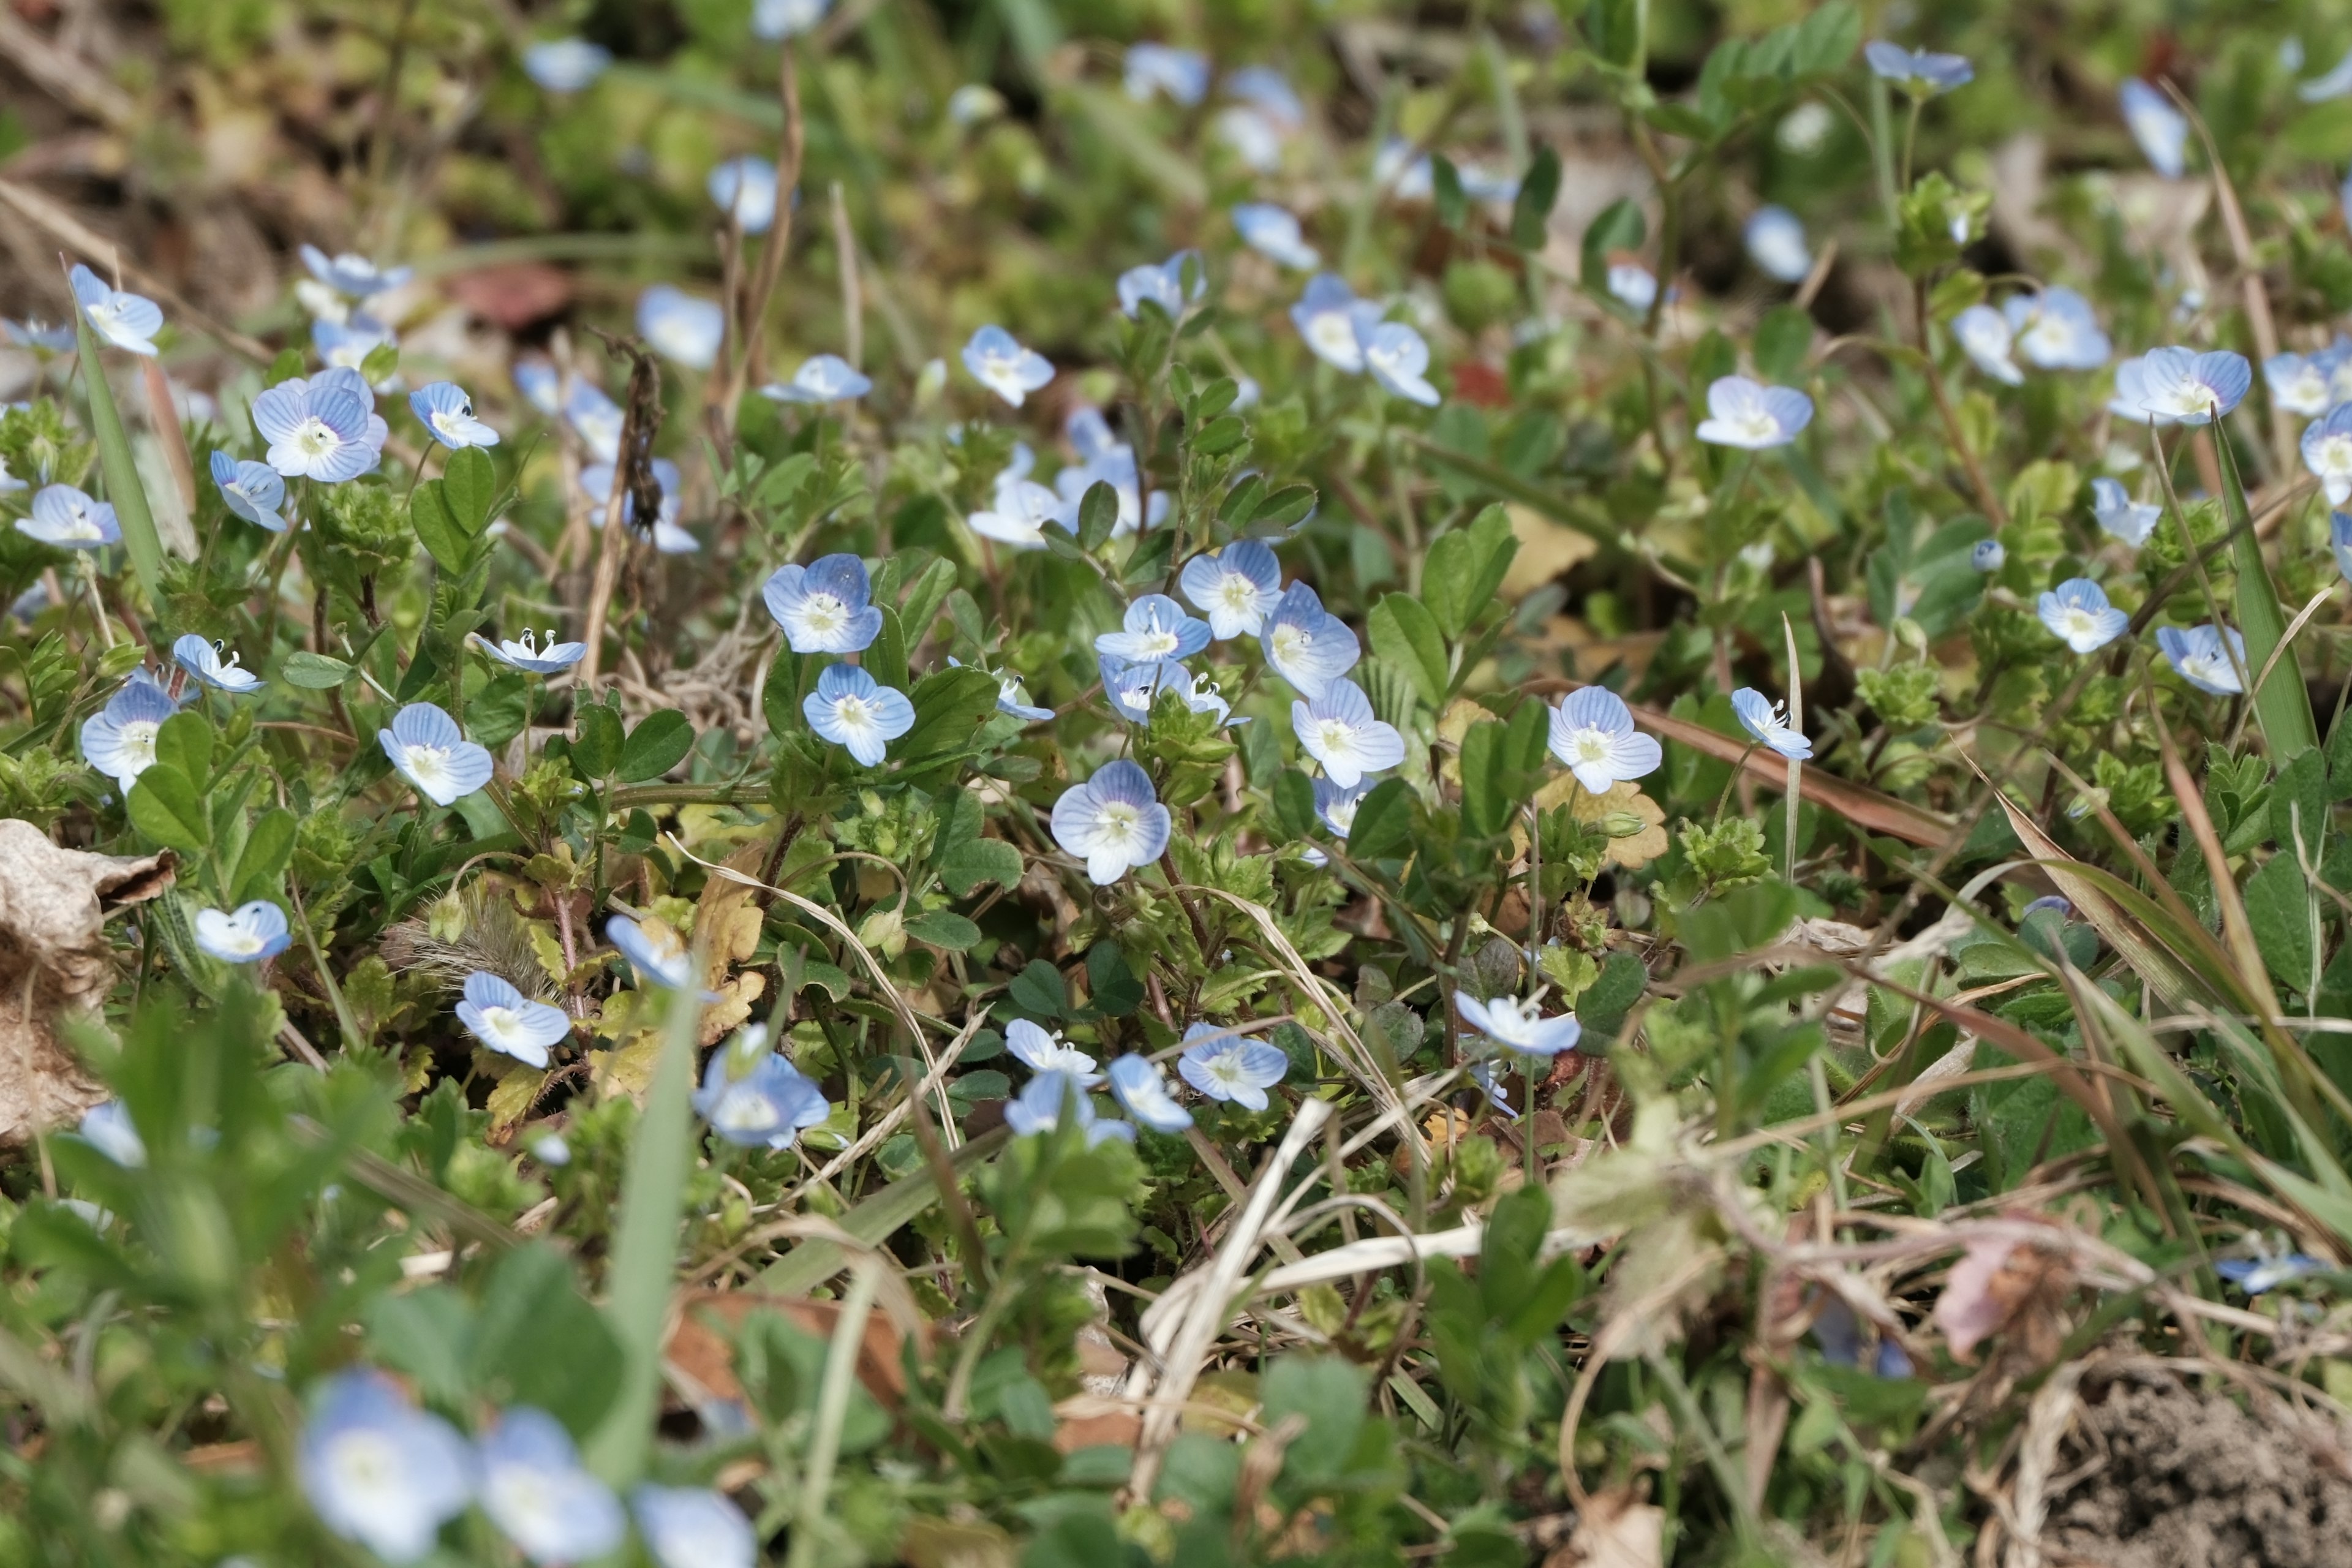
x,y
114,461
872,1220
2282,705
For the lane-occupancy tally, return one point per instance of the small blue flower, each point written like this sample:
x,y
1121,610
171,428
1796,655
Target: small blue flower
x,y
1019,517
1181,74
745,189
1254,138
1275,232
1397,356
1989,555
39,336
2327,453
1112,464
70,519
324,427
1921,74
108,1128
353,275
249,934
1306,644
346,344
669,539
541,383
1339,730
1230,1066
1001,365
2337,83
2339,540
447,415
2180,386
1491,1079
821,378
127,320
2078,615
1592,734
596,419
2161,130
1776,243
1632,285
550,1149
1144,1093
2301,383
1043,1050
2057,331
1761,717
250,491
1520,1025
658,955
1161,285
1750,414
1985,335
778,19
1012,698
534,656
1114,822
203,659
1335,805
1270,93
536,1491
825,607
2199,657
1156,628
1333,322
850,709
765,1108
694,1527
1040,1105
2119,515
510,1023
429,750
380,1471
2267,1271
1236,587
118,740
566,65
680,327
1132,686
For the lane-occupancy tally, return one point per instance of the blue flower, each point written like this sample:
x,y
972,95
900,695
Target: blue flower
x,y
203,659
1042,1104
324,427
120,739
1985,335
1335,805
1114,822
680,327
1111,463
2161,130
1132,686
1592,734
1750,414
353,275
824,607
127,320
534,656
2057,331
1632,285
2327,453
694,1527
549,1149
1275,232
1043,1050
250,491
658,955
1339,730
1156,628
566,65
2078,615
510,1023
108,1128
1520,1025
1144,1093
429,750
252,933
1776,243
2301,383
1491,1081
447,414
1019,517
1012,698
1181,74
1001,365
2119,515
1306,644
2267,1271
745,190
70,519
1230,1066
2199,657
850,709
823,378
596,419
536,1491
380,1471
973,102
541,383
2337,83
765,1108
1922,75
2180,386
1397,355
1761,717
1332,321
39,336
1254,138
346,344
778,19
1161,285
596,484
1236,587
1270,93
1988,555
2339,540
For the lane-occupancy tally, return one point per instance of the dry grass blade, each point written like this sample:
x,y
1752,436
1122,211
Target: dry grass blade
x,y
2235,928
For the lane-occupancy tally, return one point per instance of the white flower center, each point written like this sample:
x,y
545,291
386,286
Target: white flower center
x,y
1341,815
824,614
1290,642
854,713
1590,746
1156,642
2079,622
1754,423
1336,735
1237,593
312,438
2333,455
428,765
746,1110
366,1463
1333,334
1119,823
80,524
136,745
504,1023
2185,399
451,425
1225,1066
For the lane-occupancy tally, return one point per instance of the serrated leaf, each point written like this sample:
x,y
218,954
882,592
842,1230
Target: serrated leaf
x,y
315,671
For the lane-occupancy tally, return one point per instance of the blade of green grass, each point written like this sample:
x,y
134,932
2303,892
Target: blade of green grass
x,y
114,461
814,1261
2282,705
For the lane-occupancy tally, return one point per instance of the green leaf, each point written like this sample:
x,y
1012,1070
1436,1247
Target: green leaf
x,y
1465,568
1329,1393
1531,210
598,750
1038,990
950,705
381,363
885,656
967,865
1783,338
495,714
2279,911
537,1341
1405,635
657,745
315,671
1294,803
1617,30
469,488
1112,989
185,742
1220,436
1445,184
921,606
1620,227
268,847
165,805
942,927
1502,764
114,461
1098,515
1826,39
1383,825
2282,705
438,528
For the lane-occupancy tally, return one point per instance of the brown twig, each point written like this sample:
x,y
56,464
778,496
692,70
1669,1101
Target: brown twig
x,y
632,480
749,359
